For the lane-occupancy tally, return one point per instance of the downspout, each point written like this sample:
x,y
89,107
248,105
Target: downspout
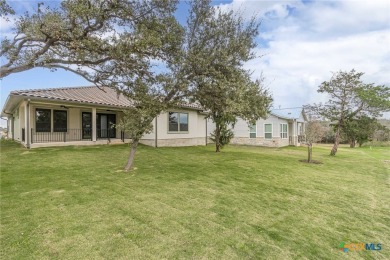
x,y
28,131
155,134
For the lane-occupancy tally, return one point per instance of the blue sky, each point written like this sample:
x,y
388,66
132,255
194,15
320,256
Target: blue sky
x,y
300,44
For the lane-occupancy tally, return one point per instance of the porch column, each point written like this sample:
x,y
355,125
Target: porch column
x,y
94,124
294,133
27,124
12,127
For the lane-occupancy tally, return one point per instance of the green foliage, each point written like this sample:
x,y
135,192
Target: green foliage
x,y
350,97
217,45
224,135
5,9
361,129
95,36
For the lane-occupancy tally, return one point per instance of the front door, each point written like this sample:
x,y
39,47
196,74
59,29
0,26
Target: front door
x,y
86,125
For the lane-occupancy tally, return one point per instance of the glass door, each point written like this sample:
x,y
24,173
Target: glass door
x,y
105,125
86,125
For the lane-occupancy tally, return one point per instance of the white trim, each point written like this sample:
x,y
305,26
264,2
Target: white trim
x,y
253,132
272,130
281,130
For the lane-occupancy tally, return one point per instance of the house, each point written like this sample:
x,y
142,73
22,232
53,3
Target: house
x,y
88,115
281,128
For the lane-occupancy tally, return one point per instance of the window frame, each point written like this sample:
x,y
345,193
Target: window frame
x,y
282,132
61,130
272,128
251,132
43,130
52,128
178,123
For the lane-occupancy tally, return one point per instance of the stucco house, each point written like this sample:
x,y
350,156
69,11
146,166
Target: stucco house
x,y
281,128
88,115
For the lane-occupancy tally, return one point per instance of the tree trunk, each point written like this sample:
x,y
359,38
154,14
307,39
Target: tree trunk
x,y
352,143
336,141
130,160
217,137
309,152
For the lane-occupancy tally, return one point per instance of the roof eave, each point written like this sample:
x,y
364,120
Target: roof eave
x,y
59,100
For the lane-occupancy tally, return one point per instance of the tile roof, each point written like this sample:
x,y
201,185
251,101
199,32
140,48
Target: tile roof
x,y
90,95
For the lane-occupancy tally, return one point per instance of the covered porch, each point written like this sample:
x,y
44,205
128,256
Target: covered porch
x,y
296,133
50,124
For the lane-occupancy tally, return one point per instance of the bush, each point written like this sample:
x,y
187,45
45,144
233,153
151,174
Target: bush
x,y
226,135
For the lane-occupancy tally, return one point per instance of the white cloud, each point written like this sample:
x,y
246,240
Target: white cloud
x,y
6,24
304,43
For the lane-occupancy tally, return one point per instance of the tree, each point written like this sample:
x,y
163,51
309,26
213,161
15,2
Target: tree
x,y
85,37
382,134
109,43
224,135
360,129
315,131
218,44
349,97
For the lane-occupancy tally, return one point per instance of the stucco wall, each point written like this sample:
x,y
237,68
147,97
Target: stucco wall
x,y
242,132
195,135
196,131
17,128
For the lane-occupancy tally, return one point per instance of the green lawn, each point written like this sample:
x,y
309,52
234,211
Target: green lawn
x,y
246,202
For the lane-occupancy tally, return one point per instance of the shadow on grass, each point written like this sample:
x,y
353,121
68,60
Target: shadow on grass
x,y
312,161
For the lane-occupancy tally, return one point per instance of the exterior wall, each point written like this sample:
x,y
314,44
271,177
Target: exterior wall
x,y
20,122
196,134
260,141
210,127
175,142
242,133
17,135
74,121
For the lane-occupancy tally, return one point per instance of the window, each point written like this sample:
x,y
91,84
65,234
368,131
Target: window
x,y
60,121
178,122
252,131
283,130
268,131
183,122
43,120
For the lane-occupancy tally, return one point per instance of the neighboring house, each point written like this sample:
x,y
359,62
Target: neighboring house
x,y
281,128
88,115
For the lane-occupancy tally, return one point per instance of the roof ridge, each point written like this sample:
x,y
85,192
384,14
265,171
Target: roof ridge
x,y
50,89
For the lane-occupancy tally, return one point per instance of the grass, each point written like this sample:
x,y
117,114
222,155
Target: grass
x,y
244,203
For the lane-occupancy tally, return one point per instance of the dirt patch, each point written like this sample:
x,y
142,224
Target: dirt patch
x,y
312,161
